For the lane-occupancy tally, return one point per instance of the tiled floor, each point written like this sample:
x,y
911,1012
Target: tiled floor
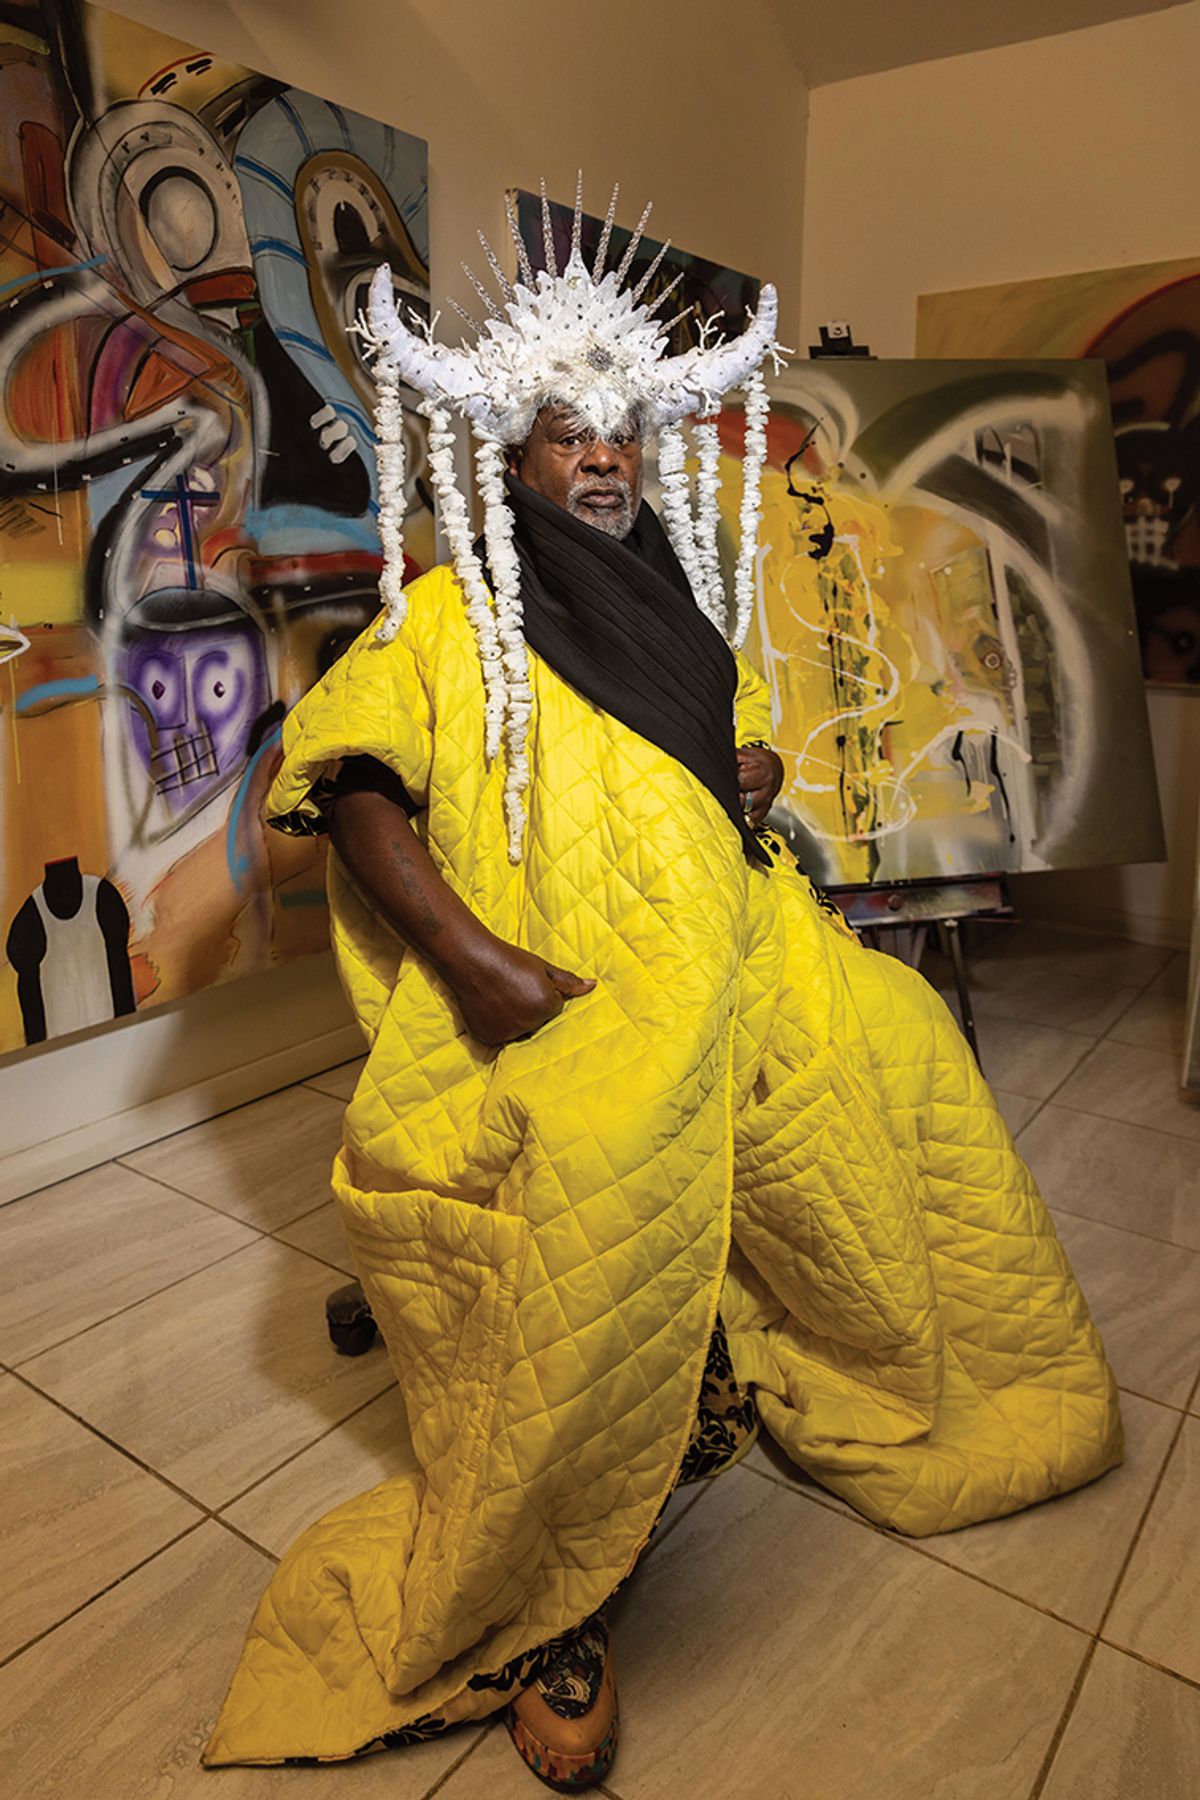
x,y
172,1416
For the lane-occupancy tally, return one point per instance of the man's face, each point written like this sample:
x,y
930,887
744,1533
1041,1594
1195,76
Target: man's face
x,y
599,482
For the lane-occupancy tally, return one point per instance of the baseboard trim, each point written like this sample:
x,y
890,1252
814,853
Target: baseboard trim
x,y
41,1165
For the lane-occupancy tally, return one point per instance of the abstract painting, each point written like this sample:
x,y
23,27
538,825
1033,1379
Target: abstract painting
x,y
699,289
187,496
1144,322
944,619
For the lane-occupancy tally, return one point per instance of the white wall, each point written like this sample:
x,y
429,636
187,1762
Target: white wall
x,y
1070,153
701,110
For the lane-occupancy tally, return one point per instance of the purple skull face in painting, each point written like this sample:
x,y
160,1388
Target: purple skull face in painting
x,y
202,688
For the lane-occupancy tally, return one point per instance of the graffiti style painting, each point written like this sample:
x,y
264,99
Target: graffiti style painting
x,y
187,496
698,289
944,618
1144,322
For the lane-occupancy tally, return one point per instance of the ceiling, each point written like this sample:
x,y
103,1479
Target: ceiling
x,y
833,40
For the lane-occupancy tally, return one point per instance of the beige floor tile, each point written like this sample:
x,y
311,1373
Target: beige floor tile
x,y
1134,1735
1145,1298
1023,1058
340,1082
493,1771
771,1634
1156,1020
1066,1554
267,1163
364,1450
77,1515
74,1253
1015,1109
1120,1174
118,1702
1069,980
217,1381
1121,1081
1084,955
1157,1612
321,1234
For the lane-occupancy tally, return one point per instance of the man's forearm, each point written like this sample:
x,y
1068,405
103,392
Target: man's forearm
x,y
503,992
389,862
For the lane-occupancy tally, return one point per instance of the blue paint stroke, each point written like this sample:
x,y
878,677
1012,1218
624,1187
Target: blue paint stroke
x,y
273,246
93,262
261,172
70,687
312,345
285,107
238,862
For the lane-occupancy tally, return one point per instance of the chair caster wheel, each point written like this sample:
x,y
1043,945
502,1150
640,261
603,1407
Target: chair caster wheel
x,y
351,1323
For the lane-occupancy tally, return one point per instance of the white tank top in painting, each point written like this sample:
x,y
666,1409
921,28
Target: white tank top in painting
x,y
76,990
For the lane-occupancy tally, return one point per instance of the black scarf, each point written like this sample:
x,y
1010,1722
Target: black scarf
x,y
616,619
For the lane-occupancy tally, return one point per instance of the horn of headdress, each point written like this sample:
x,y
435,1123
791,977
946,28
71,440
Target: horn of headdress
x,y
435,370
696,379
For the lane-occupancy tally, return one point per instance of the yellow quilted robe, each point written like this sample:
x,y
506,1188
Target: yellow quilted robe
x,y
751,1111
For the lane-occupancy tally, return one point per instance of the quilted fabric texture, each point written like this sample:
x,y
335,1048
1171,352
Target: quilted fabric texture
x,y
750,1111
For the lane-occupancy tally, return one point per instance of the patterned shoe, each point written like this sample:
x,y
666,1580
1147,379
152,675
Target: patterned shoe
x,y
565,1723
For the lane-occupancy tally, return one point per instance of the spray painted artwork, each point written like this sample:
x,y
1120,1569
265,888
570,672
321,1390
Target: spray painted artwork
x,y
944,618
187,496
695,288
1144,322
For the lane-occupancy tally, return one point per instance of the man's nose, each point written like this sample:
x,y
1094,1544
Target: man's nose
x,y
601,458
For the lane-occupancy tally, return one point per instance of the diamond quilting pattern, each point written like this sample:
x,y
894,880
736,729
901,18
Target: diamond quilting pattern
x,y
544,1232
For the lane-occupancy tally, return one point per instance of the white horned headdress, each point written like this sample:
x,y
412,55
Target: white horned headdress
x,y
579,339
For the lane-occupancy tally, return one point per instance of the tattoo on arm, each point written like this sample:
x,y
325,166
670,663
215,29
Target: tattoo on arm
x,y
403,863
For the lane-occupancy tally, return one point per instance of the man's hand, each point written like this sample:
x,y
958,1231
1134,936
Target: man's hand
x,y
505,993
502,992
760,777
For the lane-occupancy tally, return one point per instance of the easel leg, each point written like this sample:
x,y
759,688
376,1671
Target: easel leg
x,y
954,939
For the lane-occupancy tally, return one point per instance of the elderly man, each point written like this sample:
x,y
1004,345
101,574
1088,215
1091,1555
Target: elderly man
x,y
646,1143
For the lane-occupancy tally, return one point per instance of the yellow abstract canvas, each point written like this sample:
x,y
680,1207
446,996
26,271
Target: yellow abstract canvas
x,y
944,618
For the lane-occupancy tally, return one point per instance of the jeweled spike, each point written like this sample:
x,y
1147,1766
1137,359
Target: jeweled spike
x,y
666,293
577,221
493,310
502,281
466,316
523,262
548,233
626,262
602,251
651,272
679,318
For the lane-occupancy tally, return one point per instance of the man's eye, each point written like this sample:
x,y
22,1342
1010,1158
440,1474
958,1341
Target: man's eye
x,y
568,442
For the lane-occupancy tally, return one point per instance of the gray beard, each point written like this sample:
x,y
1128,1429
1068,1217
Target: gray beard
x,y
616,524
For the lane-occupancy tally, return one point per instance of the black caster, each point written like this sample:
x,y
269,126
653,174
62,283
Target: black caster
x,y
350,1320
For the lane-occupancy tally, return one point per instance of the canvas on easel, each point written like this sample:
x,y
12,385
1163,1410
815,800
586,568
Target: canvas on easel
x,y
945,620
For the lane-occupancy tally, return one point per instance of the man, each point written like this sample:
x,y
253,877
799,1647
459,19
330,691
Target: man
x,y
641,1124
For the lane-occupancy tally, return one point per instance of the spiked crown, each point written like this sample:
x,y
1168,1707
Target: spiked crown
x,y
583,340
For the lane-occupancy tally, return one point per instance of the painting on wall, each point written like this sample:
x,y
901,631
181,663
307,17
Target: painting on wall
x,y
187,496
944,618
1144,323
699,289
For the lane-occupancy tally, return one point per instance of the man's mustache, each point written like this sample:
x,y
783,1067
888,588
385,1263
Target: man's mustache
x,y
613,484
